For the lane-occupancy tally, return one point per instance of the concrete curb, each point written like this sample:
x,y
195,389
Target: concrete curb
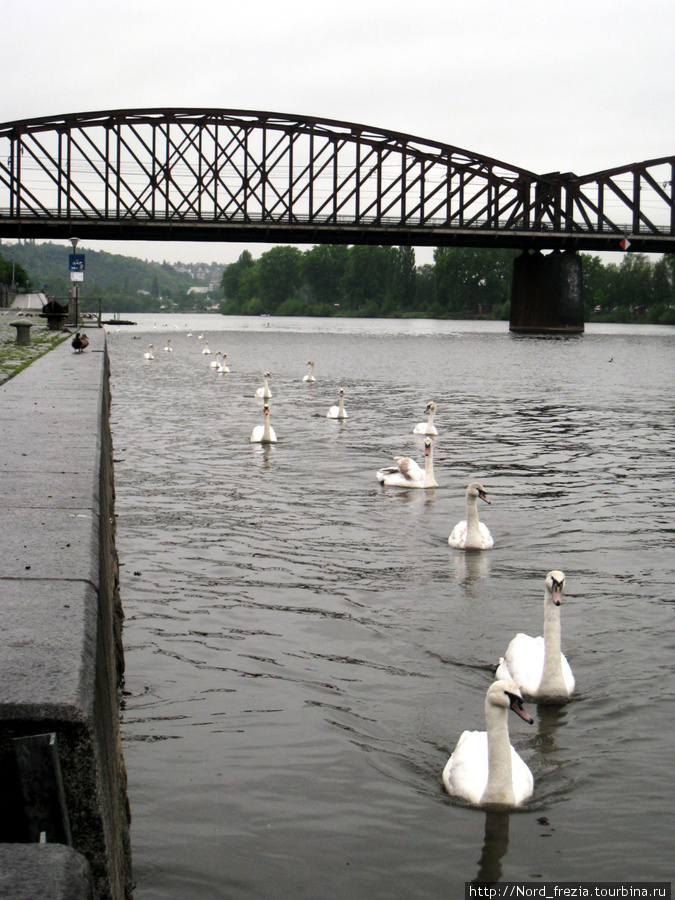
x,y
61,659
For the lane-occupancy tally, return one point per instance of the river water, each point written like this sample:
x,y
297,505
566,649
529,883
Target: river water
x,y
303,648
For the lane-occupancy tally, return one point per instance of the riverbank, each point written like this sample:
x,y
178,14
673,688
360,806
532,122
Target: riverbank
x,y
60,619
15,357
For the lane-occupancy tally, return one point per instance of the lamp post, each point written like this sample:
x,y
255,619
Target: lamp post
x,y
76,266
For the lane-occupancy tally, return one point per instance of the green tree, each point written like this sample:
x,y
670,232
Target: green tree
x,y
632,288
472,281
425,290
367,279
323,269
404,277
13,273
279,275
233,275
594,282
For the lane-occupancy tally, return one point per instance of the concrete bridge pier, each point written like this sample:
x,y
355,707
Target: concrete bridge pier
x,y
546,295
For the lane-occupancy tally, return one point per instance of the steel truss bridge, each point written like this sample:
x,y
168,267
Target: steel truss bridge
x,y
236,175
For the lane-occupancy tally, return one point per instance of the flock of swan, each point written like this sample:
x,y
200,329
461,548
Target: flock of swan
x,y
484,769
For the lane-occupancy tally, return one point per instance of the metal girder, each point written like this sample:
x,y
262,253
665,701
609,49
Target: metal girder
x,y
200,174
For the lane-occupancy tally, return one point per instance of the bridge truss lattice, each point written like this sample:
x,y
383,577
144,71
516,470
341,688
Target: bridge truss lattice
x,y
199,174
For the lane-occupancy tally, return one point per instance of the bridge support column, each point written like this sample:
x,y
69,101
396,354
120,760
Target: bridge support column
x,y
546,294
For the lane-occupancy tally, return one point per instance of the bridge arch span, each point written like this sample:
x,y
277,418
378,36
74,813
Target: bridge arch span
x,y
218,174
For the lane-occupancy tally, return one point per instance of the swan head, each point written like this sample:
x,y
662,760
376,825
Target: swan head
x,y
342,392
555,584
266,374
428,446
430,406
311,362
266,409
506,695
477,490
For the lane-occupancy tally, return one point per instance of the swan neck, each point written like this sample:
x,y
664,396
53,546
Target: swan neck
x,y
267,434
429,469
499,788
552,677
341,406
472,520
432,413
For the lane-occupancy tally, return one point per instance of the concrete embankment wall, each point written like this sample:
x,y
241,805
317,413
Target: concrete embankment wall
x,y
61,659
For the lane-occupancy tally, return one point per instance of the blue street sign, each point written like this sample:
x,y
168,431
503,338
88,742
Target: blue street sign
x,y
76,262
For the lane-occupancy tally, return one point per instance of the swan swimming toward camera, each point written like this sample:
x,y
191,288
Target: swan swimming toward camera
x,y
206,347
427,427
310,375
338,412
537,665
484,768
406,473
264,391
264,434
168,348
470,533
149,354
215,364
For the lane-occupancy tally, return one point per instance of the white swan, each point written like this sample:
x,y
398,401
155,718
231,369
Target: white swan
x,y
310,375
338,412
168,348
216,364
484,768
470,533
264,434
406,472
224,367
206,347
427,427
264,391
536,665
149,354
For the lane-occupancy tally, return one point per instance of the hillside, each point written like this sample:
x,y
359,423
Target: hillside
x,y
124,283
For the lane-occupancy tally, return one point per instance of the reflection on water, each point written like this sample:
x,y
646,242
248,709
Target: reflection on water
x,y
495,845
303,648
470,567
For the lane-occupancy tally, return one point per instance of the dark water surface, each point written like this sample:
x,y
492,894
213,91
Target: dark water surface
x,y
303,647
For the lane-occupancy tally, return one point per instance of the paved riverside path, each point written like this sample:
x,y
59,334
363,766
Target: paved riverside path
x,y
60,645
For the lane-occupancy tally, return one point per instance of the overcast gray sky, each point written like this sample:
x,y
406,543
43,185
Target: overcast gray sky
x,y
579,85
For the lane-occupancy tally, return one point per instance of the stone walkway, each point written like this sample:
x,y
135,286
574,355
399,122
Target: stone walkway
x,y
13,356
